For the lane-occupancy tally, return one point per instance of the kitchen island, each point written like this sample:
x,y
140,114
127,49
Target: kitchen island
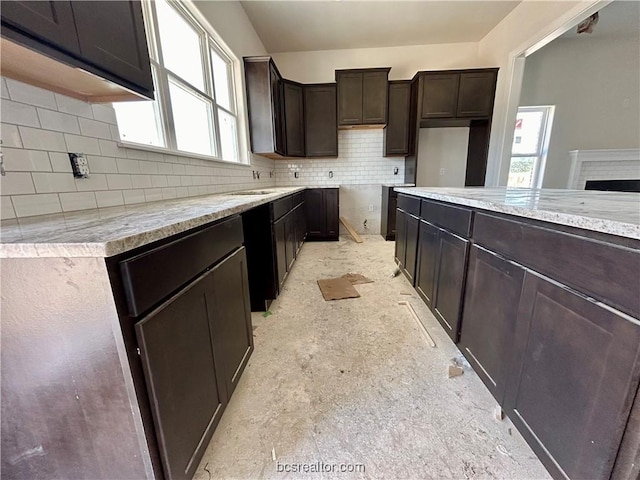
x,y
540,290
124,333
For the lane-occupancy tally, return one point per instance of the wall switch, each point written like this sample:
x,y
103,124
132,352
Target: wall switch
x,y
79,165
441,171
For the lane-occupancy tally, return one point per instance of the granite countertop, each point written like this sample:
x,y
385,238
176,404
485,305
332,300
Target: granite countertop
x,y
616,213
109,231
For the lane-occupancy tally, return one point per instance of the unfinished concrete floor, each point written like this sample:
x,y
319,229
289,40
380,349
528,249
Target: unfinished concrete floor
x,y
355,382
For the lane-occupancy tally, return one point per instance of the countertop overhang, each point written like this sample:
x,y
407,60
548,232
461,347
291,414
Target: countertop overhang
x,y
614,213
110,231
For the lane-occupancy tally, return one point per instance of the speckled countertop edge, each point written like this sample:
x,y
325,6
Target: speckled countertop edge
x,y
585,220
110,231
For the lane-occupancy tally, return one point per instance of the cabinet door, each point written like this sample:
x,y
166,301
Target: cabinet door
x,y
475,97
314,209
574,375
233,334
396,133
413,227
332,212
280,237
439,95
391,221
349,98
450,277
277,108
401,237
182,373
321,130
374,97
290,235
489,317
427,257
50,22
294,119
112,37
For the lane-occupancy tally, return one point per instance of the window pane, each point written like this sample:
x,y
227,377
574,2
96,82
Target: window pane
x,y
180,45
191,119
138,122
526,138
221,80
521,171
228,136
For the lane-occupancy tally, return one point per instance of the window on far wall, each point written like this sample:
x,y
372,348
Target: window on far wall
x,y
530,144
195,106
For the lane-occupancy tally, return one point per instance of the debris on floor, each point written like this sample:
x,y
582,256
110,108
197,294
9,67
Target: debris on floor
x,y
337,289
268,313
351,231
356,278
423,329
395,273
273,454
455,369
498,413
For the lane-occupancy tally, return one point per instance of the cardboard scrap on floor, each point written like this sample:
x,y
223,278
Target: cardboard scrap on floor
x,y
455,369
342,287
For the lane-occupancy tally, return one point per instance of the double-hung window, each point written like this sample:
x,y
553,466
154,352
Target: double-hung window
x,y
195,106
530,145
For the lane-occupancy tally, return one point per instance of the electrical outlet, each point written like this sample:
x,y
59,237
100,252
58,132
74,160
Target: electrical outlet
x,y
371,207
79,165
441,171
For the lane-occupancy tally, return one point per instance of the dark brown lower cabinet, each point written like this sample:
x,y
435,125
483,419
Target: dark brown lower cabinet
x,y
489,318
290,235
280,237
573,379
389,204
194,348
407,226
322,211
427,257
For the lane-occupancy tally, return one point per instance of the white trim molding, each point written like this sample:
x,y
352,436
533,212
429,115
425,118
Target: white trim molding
x,y
628,165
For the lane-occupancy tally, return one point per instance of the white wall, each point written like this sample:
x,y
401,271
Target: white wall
x,y
320,66
442,157
595,85
530,23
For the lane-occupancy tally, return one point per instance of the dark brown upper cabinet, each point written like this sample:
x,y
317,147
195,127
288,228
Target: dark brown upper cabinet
x,y
362,96
396,132
321,130
457,94
51,43
294,118
265,105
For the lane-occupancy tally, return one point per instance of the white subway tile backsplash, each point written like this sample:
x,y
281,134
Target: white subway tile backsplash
x,y
141,181
109,198
119,182
109,148
40,204
159,181
169,193
104,113
6,208
148,167
92,128
54,182
73,106
115,133
98,164
173,181
153,194
59,122
19,114
80,144
18,160
4,91
95,182
16,183
37,139
78,201
136,154
133,196
10,136
21,92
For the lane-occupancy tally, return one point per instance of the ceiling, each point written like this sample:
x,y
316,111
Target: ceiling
x,y
288,26
617,20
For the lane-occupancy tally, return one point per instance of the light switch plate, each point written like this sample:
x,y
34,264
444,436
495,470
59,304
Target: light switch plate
x,y
79,165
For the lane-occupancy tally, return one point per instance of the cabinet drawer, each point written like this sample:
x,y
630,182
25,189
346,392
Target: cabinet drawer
x,y
281,207
605,271
456,219
298,198
151,276
409,204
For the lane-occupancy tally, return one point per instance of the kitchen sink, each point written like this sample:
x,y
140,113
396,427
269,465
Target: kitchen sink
x,y
252,192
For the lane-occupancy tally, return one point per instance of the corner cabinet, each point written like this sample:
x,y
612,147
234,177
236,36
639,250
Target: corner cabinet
x,y
362,96
81,34
396,132
321,130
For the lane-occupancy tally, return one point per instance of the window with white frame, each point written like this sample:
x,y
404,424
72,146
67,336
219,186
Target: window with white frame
x,y
530,144
195,106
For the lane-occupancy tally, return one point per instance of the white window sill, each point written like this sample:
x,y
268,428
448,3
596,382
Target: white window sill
x,y
178,153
